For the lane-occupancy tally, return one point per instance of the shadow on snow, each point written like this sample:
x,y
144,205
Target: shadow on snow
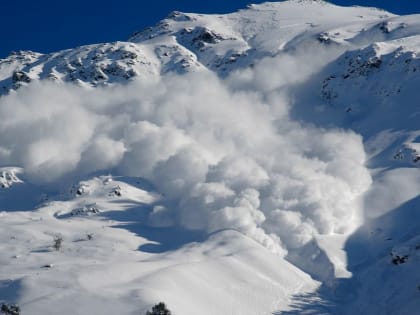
x,y
372,242
160,239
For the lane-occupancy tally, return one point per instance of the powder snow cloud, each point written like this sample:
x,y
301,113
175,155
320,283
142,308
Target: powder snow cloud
x,y
225,154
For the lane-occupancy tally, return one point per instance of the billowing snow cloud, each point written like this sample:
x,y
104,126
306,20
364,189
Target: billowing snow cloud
x,y
225,154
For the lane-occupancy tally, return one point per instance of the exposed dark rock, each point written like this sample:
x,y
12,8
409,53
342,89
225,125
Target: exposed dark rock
x,y
20,76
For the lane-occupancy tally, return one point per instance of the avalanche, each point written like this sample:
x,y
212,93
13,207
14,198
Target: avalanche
x,y
258,162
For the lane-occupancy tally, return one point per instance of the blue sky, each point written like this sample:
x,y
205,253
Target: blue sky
x,y
50,25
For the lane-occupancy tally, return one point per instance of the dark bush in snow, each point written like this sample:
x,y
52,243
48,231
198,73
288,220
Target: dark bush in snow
x,y
58,242
10,309
159,309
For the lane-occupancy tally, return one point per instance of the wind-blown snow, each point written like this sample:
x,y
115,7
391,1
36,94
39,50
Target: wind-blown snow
x,y
222,158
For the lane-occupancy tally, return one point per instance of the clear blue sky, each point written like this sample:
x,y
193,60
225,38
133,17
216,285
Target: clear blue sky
x,y
50,25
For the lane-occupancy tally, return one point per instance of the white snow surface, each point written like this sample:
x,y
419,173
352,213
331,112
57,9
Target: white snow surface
x,y
258,162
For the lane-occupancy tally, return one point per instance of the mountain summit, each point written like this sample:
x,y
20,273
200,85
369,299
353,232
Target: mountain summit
x,y
194,42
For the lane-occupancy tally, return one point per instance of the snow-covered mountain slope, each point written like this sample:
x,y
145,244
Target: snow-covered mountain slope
x,y
193,42
263,162
108,251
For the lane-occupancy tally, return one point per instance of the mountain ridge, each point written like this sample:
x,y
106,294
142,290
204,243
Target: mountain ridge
x,y
181,49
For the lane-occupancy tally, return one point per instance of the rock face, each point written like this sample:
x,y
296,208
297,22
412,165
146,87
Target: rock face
x,y
89,66
373,70
9,176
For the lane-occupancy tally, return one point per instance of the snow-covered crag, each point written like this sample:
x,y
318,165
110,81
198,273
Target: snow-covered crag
x,y
263,162
186,42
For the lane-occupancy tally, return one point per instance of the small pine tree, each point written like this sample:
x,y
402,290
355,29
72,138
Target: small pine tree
x,y
10,309
159,309
58,242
